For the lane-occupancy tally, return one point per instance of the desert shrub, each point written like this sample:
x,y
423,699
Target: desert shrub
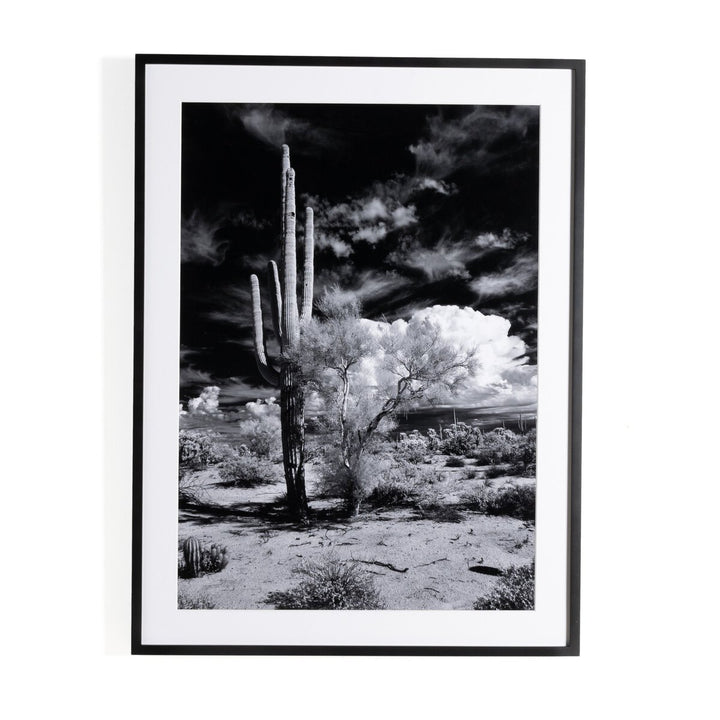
x,y
201,448
199,602
389,493
433,440
247,470
516,501
527,447
529,471
331,584
455,461
496,446
471,472
515,590
433,509
413,447
353,484
504,446
198,560
380,476
496,471
459,439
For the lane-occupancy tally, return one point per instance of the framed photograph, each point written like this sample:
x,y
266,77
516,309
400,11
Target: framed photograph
x,y
357,356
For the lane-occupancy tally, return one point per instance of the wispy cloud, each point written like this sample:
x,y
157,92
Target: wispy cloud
x,y
365,285
449,258
199,243
478,137
507,240
442,260
519,277
439,186
275,127
190,375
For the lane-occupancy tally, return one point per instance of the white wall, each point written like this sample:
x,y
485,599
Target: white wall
x,y
650,486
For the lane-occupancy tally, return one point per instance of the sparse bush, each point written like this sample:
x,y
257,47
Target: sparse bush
x,y
515,590
439,512
516,501
197,560
455,461
496,471
390,493
379,479
247,470
200,602
331,584
191,489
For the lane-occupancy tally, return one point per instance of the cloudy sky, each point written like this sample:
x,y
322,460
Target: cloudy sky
x,y
420,211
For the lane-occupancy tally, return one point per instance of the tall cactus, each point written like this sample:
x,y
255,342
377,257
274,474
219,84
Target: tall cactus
x,y
286,322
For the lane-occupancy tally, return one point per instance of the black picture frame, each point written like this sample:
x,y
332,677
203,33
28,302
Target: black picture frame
x,y
572,647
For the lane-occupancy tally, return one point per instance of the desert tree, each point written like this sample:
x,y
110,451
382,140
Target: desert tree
x,y
335,354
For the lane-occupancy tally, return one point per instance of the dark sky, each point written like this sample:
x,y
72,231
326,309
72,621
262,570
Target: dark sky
x,y
414,206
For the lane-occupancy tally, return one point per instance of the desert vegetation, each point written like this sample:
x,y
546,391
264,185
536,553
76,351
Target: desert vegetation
x,y
316,499
514,591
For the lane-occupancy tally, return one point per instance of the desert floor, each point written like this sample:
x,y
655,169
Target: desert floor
x,y
420,560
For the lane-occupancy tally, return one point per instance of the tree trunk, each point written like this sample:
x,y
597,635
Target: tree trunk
x,y
292,404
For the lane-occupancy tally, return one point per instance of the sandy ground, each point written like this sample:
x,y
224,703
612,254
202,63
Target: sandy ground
x,y
264,547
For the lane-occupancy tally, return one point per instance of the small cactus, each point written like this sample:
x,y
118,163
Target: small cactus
x,y
198,561
218,557
192,554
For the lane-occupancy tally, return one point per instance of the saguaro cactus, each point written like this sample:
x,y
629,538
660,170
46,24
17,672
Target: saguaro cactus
x,y
287,322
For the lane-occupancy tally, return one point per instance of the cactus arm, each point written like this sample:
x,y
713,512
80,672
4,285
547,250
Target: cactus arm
x,y
275,299
290,321
309,267
269,374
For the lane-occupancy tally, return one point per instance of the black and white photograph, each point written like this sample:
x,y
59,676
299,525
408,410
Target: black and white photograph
x,y
358,357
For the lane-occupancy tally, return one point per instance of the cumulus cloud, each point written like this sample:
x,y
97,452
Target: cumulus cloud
x,y
520,277
477,138
199,243
207,403
501,375
261,408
